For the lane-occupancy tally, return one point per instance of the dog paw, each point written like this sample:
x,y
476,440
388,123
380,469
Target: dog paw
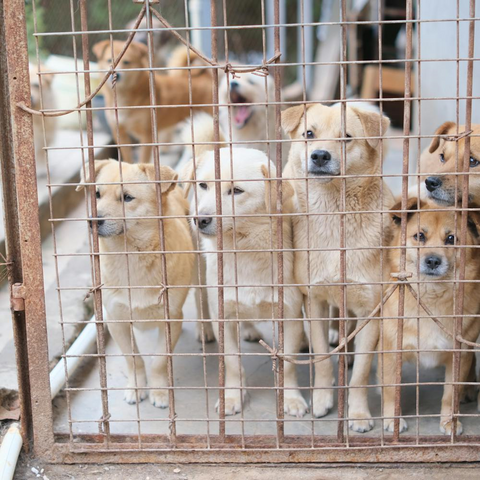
x,y
322,402
250,333
388,425
159,398
233,403
133,396
295,405
446,427
363,422
206,332
333,336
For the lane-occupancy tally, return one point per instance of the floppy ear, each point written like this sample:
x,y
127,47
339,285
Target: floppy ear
x,y
441,130
412,206
99,164
168,176
271,191
473,221
99,48
371,125
291,117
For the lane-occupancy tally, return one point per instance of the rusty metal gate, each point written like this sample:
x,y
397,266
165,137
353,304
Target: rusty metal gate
x,y
274,422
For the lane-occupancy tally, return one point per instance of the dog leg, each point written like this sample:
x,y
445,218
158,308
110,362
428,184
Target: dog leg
x,y
366,341
446,420
469,392
333,327
159,374
137,377
294,403
203,329
322,399
234,372
122,138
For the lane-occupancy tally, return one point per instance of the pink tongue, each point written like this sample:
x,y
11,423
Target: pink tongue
x,y
241,115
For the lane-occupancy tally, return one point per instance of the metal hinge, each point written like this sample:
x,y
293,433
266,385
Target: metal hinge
x,y
17,297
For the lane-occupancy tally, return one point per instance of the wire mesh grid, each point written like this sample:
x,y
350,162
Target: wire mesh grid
x,y
352,283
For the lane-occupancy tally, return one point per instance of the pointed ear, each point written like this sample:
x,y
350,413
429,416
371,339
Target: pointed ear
x,y
371,122
441,130
168,176
99,48
99,164
412,206
271,190
473,221
291,118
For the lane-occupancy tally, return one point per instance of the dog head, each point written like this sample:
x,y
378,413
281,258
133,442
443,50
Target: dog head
x,y
248,189
138,200
243,89
321,157
441,158
429,236
135,57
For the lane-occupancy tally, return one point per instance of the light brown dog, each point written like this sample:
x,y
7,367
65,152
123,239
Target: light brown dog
x,y
133,89
440,158
318,162
133,234
431,258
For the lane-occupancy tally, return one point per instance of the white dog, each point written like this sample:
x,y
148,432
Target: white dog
x,y
245,234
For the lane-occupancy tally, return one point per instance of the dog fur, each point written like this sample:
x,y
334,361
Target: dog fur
x,y
132,89
362,232
136,235
247,268
437,229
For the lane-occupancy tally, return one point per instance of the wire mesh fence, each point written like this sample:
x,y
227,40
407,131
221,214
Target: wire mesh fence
x,y
273,265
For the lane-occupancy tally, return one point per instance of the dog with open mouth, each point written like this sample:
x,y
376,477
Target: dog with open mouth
x,y
315,165
434,262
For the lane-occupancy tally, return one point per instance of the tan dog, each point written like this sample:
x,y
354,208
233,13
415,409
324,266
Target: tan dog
x,y
319,161
252,229
136,270
434,233
133,89
441,158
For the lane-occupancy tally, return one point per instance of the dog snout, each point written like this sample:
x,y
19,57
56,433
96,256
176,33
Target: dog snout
x,y
320,157
432,183
100,221
203,222
433,262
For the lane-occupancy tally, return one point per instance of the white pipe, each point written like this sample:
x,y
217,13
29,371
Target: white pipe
x,y
9,452
83,343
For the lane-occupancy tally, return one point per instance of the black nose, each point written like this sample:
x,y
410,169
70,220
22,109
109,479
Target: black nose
x,y
433,262
320,157
204,222
432,183
233,84
99,222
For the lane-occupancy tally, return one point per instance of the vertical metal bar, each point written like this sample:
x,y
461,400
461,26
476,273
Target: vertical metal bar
x,y
278,158
305,47
97,294
270,7
218,203
23,151
403,235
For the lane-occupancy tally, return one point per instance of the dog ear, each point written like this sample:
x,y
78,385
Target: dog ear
x,y
441,130
99,164
141,48
371,125
473,221
187,174
412,206
168,176
291,118
271,191
99,48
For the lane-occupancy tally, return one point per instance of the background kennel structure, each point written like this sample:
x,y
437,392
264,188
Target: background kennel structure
x,y
324,55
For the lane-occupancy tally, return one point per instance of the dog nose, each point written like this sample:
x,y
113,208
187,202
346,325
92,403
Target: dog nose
x,y
204,222
432,183
433,262
100,221
320,157
233,84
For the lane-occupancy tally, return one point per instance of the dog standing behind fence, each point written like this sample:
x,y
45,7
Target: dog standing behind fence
x,y
142,270
435,233
319,161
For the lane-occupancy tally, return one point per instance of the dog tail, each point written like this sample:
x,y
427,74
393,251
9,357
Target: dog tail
x,y
182,57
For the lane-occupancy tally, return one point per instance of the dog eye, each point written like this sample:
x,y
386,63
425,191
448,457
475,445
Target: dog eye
x,y
203,186
109,60
251,82
419,237
308,134
450,240
442,158
97,193
349,137
126,62
236,191
473,162
128,198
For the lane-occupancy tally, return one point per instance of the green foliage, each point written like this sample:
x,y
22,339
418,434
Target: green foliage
x,y
30,20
